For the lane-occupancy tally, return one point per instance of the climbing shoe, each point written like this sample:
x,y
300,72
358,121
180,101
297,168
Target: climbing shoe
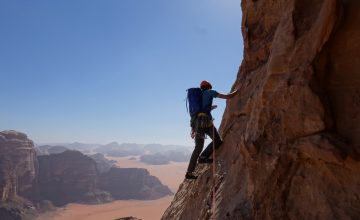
x,y
205,160
190,176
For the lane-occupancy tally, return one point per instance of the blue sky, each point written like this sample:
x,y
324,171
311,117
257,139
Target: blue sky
x,y
113,70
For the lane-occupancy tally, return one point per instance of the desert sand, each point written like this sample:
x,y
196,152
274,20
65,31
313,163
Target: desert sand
x,y
171,175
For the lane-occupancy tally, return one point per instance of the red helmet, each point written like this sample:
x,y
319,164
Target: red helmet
x,y
205,85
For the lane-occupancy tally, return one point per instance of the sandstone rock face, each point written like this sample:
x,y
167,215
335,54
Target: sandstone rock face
x,y
103,164
132,183
18,166
291,138
69,177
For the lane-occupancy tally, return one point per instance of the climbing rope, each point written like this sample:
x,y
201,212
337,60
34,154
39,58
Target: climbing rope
x,y
214,177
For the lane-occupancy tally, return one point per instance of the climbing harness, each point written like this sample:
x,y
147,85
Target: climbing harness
x,y
199,124
203,121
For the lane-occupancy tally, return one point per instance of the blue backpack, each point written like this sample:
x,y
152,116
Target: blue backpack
x,y
194,98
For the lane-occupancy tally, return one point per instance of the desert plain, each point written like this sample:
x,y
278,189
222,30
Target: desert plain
x,y
169,174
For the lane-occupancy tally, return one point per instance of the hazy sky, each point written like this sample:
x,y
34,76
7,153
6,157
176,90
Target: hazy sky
x,y
113,70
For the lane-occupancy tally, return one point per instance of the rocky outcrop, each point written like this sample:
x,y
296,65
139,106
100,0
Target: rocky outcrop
x,y
18,166
102,163
18,171
154,159
48,149
132,183
291,143
69,177
29,184
17,209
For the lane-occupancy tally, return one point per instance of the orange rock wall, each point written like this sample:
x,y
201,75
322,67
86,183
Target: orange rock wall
x,y
291,138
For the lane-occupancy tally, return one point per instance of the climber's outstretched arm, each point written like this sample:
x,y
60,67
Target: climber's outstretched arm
x,y
227,96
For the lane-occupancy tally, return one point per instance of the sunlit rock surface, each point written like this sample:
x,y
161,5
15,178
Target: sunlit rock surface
x,y
291,138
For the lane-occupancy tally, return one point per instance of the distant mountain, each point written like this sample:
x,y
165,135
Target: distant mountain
x,y
136,182
178,156
155,154
103,164
74,177
48,149
82,147
154,159
30,183
69,177
85,148
131,149
115,149
166,157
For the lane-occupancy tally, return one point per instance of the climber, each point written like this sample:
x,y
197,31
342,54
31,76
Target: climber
x,y
200,104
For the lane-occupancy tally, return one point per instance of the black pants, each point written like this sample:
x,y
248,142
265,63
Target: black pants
x,y
199,145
